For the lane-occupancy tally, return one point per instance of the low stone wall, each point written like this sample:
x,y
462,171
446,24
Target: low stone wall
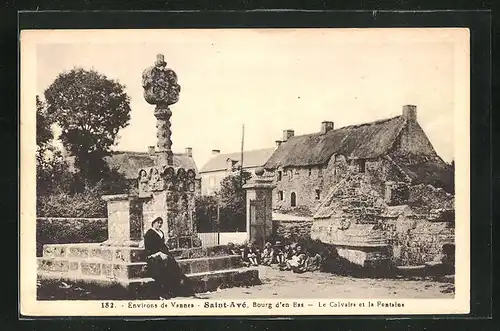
x,y
417,241
292,230
412,241
58,230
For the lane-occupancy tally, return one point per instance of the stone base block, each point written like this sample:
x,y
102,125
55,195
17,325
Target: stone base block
x,y
132,253
365,257
131,270
90,252
101,288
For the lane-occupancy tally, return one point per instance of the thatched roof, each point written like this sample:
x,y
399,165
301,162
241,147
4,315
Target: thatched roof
x,y
369,140
251,159
129,163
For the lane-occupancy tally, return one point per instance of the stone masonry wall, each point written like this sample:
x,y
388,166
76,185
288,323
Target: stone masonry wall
x,y
417,241
304,181
292,230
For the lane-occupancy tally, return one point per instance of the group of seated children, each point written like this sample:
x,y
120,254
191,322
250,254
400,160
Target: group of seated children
x,y
288,257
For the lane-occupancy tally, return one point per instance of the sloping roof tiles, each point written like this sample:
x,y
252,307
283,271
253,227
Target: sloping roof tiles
x,y
253,158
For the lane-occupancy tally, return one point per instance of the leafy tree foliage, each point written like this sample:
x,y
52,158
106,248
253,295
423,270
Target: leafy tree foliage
x,y
232,201
44,132
90,109
52,170
206,213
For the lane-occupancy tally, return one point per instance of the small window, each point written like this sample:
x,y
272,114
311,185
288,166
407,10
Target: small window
x,y
279,175
361,164
310,172
293,200
320,172
280,195
291,174
318,195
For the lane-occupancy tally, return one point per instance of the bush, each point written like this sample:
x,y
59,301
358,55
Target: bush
x,y
87,204
70,230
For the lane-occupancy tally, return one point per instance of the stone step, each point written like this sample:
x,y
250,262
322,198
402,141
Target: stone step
x,y
88,251
119,269
101,287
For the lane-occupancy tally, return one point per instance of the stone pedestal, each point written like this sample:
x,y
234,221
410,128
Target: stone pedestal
x,y
169,192
259,193
125,225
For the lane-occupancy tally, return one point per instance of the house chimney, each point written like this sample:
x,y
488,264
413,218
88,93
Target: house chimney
x,y
278,143
189,151
326,126
215,151
151,150
287,134
410,113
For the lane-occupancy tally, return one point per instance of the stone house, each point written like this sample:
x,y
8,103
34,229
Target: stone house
x,y
221,165
385,152
129,163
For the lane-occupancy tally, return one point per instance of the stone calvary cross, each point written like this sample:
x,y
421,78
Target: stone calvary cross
x,y
164,190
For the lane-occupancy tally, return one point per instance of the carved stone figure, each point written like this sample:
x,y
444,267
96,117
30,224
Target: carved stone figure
x,y
143,180
169,177
161,89
181,179
191,180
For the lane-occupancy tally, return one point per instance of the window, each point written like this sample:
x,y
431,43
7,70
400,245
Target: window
x,y
280,195
293,200
291,174
279,175
361,164
211,181
318,195
310,171
320,172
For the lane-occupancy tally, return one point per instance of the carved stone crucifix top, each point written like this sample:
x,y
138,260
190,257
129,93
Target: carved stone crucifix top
x,y
161,89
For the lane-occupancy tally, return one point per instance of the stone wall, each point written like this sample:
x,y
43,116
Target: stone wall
x,y
52,230
292,230
417,241
425,198
304,181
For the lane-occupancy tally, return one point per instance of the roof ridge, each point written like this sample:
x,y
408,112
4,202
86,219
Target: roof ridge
x,y
352,126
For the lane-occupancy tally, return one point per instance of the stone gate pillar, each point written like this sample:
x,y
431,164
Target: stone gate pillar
x,y
259,207
124,220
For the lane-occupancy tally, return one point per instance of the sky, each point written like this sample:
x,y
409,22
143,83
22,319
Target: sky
x,y
269,81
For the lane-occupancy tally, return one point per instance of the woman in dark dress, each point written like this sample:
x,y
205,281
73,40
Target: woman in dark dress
x,y
162,266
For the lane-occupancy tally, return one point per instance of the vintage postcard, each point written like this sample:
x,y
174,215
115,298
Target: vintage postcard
x,y
194,172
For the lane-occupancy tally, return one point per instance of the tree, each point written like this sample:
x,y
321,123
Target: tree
x,y
232,201
206,213
90,109
44,132
51,168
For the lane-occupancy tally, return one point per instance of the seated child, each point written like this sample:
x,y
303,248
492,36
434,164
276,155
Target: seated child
x,y
267,255
296,260
298,264
231,249
249,255
279,253
313,262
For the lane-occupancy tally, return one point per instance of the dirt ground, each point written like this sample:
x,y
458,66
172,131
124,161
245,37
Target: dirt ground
x,y
288,285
